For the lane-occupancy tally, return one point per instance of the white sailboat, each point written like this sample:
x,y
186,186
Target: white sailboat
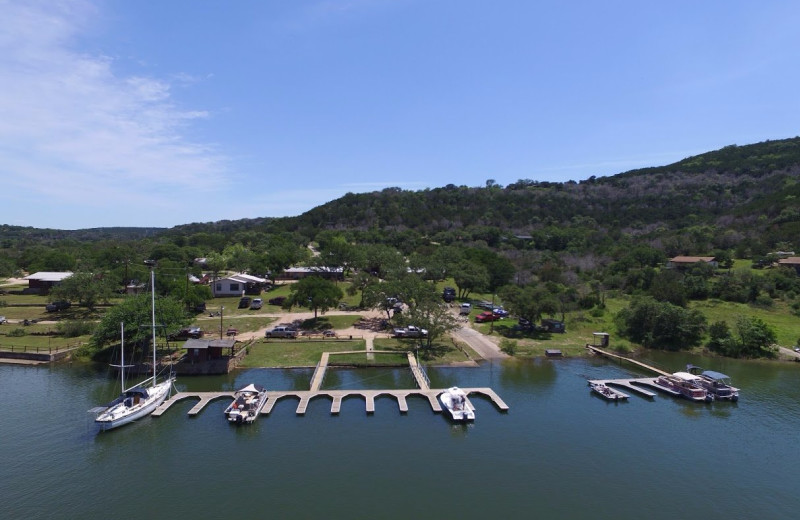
x,y
142,399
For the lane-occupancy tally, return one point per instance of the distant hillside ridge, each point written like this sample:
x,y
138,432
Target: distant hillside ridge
x,y
728,187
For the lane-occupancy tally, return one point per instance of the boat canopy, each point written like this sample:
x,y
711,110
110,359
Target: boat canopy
x,y
715,375
686,376
252,388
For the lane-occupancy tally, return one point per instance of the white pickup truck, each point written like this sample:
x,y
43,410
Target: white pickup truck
x,y
410,332
281,332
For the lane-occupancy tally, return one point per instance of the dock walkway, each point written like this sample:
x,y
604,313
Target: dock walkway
x,y
623,358
336,397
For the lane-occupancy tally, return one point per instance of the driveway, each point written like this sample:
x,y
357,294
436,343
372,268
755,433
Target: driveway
x,y
481,344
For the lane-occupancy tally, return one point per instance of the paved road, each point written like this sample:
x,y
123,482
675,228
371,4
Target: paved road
x,y
481,344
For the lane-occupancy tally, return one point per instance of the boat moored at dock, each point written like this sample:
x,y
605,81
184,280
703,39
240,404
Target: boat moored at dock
x,y
455,401
685,384
247,404
606,392
715,383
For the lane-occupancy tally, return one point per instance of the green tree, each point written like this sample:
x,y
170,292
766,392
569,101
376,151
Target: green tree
x,y
662,325
470,276
314,293
136,313
85,288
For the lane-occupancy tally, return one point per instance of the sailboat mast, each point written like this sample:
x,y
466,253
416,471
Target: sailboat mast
x,y
152,265
122,354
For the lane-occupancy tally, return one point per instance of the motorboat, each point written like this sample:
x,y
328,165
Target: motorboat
x,y
606,392
247,404
455,401
143,398
716,383
690,387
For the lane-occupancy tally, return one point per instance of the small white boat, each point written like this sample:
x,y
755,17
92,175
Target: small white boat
x,y
455,401
606,392
247,404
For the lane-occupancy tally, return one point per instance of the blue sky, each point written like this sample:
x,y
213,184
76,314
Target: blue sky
x,y
153,113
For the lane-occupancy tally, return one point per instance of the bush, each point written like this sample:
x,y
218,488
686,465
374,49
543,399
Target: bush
x,y
75,328
661,325
16,333
508,346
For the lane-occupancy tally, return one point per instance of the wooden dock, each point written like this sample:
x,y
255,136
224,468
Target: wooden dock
x,y
336,396
629,360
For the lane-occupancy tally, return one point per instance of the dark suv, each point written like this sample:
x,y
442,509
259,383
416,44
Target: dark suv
x,y
244,303
57,306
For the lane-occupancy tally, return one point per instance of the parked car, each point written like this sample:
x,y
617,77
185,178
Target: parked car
x,y
278,300
281,332
553,326
3,320
186,333
410,332
465,309
485,304
329,333
449,294
500,312
231,331
486,316
256,303
244,302
56,306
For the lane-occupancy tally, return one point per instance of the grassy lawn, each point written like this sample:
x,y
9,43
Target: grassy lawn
x,y
41,342
294,353
321,323
580,326
779,317
378,359
440,352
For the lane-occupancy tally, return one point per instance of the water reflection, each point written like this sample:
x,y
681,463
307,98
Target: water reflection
x,y
527,373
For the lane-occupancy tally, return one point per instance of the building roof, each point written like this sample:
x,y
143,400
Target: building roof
x,y
49,276
244,278
792,260
691,259
206,343
319,269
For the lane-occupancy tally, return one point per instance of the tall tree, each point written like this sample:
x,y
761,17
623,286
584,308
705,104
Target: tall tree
x,y
314,293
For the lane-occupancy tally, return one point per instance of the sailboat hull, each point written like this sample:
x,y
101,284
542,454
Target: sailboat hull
x,y
126,409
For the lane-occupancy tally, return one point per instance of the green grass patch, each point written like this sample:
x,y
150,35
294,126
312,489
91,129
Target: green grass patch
x,y
399,359
441,352
294,353
336,322
779,317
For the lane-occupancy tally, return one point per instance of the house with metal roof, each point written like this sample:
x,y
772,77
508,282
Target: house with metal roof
x,y
237,284
42,281
682,262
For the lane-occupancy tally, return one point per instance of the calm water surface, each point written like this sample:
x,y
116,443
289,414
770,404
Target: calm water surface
x,y
559,452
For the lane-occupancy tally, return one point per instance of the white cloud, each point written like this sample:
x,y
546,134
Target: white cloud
x,y
75,131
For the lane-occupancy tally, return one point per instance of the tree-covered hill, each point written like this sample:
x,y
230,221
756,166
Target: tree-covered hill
x,y
736,194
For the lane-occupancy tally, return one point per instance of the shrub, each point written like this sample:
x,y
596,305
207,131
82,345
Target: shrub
x,y
16,333
75,328
508,346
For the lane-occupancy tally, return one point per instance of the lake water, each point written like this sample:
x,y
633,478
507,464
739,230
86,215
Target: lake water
x,y
559,452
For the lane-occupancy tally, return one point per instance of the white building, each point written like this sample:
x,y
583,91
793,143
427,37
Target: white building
x,y
236,285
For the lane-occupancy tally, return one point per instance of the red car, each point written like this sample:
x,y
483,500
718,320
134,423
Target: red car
x,y
486,316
